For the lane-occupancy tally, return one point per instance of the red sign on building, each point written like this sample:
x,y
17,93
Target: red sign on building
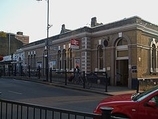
x,y
74,44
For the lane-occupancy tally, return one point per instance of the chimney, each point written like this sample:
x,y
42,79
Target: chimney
x,y
19,33
93,21
62,28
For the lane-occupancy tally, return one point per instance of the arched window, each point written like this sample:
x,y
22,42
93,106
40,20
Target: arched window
x,y
28,62
153,55
121,42
59,59
121,61
100,57
121,48
63,59
153,58
70,58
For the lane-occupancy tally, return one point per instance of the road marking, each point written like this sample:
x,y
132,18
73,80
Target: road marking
x,y
14,92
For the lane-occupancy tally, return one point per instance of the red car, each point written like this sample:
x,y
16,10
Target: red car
x,y
137,106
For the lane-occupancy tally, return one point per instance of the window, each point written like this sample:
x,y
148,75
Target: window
x,y
122,42
70,58
59,59
121,48
153,58
100,57
154,99
63,59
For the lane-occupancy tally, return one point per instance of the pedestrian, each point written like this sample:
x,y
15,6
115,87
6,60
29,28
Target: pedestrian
x,y
118,79
76,74
77,71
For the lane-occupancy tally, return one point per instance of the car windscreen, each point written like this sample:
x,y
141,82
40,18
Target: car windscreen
x,y
141,96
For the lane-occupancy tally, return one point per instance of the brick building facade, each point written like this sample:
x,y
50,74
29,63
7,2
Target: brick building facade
x,y
10,42
125,49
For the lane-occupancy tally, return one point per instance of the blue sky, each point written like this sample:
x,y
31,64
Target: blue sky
x,y
29,16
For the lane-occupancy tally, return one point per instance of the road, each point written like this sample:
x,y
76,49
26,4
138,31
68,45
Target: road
x,y
48,95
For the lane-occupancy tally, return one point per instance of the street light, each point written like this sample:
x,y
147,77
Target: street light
x,y
46,42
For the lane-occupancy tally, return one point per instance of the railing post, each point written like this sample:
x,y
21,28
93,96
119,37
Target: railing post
x,y
9,70
84,80
39,72
65,77
29,70
137,86
106,82
21,70
50,75
4,70
65,72
12,70
15,70
106,112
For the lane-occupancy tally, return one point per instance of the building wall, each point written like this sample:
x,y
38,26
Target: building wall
x,y
10,42
23,39
8,47
126,47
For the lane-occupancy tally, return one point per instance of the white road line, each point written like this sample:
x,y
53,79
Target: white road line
x,y
14,92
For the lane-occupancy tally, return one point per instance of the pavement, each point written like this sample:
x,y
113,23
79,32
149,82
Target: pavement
x,y
96,88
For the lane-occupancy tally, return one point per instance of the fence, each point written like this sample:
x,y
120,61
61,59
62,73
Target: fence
x,y
57,75
16,110
99,78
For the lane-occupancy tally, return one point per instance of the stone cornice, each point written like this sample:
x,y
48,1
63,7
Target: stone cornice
x,y
33,47
134,23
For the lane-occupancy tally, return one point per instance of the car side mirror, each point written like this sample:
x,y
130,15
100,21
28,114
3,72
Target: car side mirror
x,y
151,104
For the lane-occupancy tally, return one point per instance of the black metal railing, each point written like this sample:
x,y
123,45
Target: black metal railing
x,y
16,110
61,76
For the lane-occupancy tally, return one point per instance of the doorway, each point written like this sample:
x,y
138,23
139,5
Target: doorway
x,y
121,73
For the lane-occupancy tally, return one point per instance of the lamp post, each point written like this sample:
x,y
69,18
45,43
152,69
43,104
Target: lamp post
x,y
46,42
9,44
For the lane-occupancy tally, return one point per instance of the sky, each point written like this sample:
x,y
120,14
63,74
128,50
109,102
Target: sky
x,y
30,16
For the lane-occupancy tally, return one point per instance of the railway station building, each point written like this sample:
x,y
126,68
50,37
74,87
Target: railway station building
x,y
127,50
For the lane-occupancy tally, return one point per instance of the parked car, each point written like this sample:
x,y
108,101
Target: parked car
x,y
142,105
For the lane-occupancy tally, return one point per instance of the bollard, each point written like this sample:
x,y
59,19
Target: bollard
x,y
106,112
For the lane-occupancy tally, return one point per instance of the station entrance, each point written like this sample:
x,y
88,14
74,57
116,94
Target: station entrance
x,y
122,72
